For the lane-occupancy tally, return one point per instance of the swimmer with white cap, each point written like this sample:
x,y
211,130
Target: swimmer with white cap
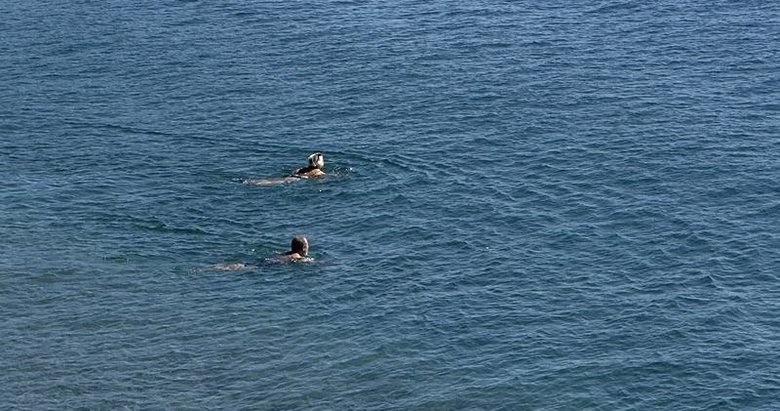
x,y
314,170
316,163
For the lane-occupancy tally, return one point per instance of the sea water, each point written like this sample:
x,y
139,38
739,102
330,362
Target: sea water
x,y
555,205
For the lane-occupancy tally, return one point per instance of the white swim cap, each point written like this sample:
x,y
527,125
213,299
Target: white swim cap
x,y
317,160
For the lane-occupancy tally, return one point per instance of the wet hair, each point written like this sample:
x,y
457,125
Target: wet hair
x,y
298,244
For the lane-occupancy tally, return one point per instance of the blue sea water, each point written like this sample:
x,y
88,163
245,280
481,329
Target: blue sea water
x,y
530,205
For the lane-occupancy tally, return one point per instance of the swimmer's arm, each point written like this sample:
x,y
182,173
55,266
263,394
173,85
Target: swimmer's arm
x,y
269,181
231,267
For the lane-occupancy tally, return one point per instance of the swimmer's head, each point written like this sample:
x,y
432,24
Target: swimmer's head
x,y
300,245
316,160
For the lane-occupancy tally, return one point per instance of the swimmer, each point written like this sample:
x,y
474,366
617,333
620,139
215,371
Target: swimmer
x,y
316,163
314,170
299,249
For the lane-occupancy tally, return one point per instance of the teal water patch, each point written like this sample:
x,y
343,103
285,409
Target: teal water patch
x,y
521,199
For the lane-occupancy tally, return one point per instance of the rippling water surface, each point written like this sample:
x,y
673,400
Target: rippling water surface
x,y
566,205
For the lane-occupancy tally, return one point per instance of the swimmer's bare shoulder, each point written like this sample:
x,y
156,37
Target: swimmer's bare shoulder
x,y
316,173
293,258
